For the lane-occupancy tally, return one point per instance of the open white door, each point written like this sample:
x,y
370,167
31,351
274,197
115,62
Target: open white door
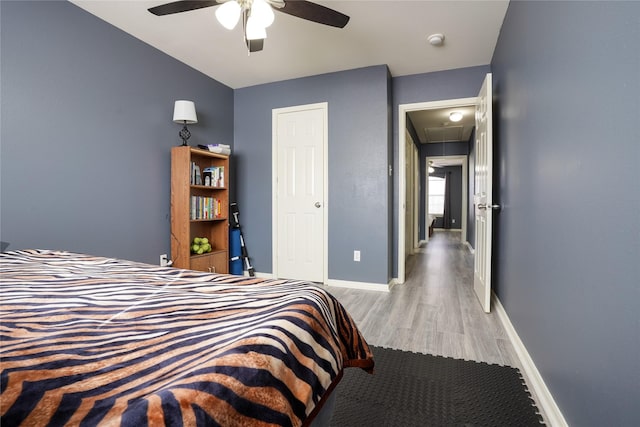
x,y
299,230
410,228
483,194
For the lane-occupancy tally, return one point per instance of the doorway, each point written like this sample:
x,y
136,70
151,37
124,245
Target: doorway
x,y
403,109
442,162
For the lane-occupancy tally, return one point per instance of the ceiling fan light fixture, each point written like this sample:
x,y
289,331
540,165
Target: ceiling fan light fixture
x,y
262,12
455,116
256,15
255,31
228,14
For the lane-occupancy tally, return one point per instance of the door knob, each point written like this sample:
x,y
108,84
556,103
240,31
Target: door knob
x,y
317,205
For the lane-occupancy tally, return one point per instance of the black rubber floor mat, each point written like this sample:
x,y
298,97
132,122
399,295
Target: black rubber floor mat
x,y
411,389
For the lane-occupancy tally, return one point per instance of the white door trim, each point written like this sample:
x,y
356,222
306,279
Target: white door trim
x,y
403,109
324,106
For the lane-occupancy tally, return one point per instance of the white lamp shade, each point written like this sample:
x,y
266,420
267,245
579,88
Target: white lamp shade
x,y
255,30
185,111
261,11
228,14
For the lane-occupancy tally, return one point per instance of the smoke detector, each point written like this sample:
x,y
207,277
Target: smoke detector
x,y
436,39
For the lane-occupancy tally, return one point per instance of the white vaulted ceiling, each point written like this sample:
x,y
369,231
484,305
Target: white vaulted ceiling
x,y
379,32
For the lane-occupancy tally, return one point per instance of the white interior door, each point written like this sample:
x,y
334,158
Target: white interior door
x,y
300,135
409,211
416,197
483,194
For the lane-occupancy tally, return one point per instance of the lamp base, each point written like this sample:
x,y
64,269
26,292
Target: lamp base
x,y
184,134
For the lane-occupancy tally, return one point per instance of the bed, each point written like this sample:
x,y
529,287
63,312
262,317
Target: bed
x,y
431,220
88,340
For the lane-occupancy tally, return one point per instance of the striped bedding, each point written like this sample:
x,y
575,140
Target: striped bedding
x,y
91,341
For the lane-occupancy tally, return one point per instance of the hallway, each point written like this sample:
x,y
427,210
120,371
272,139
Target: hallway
x,y
435,311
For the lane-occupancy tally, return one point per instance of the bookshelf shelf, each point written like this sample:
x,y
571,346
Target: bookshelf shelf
x,y
207,187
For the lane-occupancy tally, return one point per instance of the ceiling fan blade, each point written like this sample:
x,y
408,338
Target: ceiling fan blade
x,y
181,6
314,12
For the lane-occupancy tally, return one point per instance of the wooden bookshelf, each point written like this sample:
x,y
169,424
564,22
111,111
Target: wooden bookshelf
x,y
184,227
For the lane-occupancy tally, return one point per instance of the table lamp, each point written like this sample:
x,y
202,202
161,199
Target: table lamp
x,y
184,112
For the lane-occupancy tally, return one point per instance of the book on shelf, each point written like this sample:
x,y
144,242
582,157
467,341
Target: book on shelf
x,y
205,208
196,177
214,176
217,148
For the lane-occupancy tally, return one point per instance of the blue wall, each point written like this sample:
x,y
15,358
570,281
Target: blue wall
x,y
442,85
359,146
86,132
567,80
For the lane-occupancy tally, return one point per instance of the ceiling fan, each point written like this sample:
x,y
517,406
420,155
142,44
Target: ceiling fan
x,y
256,15
432,167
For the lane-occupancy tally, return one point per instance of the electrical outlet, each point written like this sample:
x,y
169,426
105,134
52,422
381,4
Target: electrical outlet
x,y
164,260
453,220
356,256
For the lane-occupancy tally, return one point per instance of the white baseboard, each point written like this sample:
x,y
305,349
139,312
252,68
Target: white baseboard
x,y
393,282
553,416
471,250
359,285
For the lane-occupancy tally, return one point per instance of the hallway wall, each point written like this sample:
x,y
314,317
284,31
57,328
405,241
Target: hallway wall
x,y
567,173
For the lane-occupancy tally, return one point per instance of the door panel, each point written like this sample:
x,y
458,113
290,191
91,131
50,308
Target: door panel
x,y
300,138
409,185
483,195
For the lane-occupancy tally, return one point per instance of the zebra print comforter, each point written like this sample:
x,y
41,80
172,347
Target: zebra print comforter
x,y
91,341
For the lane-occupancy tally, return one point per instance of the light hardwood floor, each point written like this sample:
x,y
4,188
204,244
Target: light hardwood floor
x,y
435,311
